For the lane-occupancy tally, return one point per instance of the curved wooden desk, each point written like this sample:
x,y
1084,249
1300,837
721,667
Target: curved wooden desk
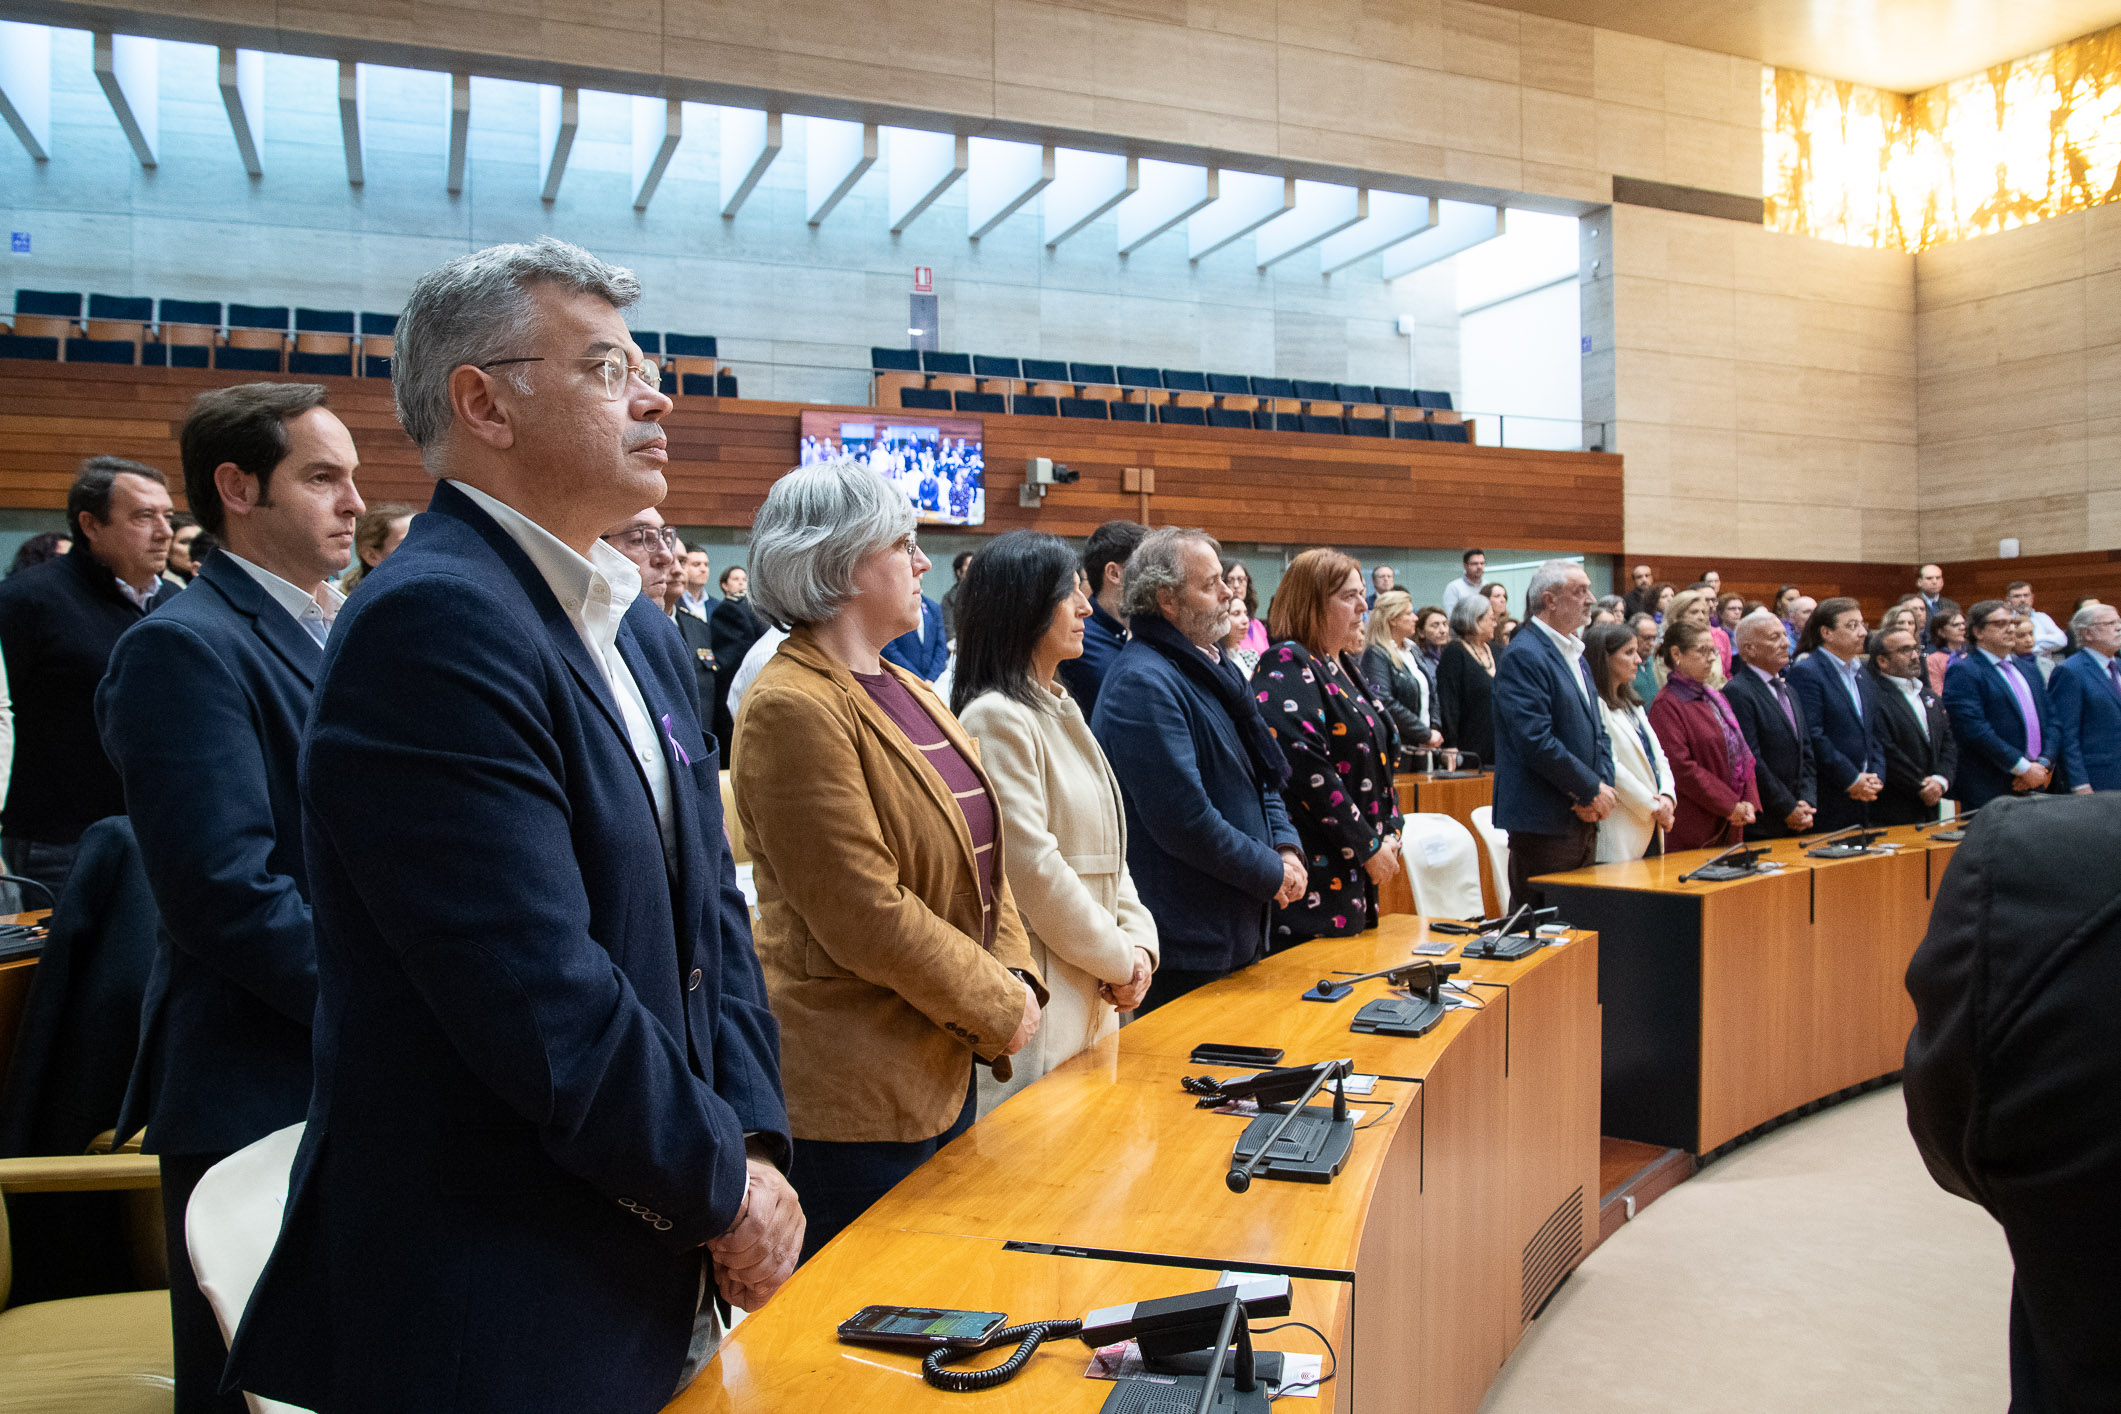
x,y
1463,1203
1730,1004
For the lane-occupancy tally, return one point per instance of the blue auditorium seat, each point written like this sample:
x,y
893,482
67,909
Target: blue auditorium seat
x,y
1128,412
1026,405
1396,397
724,383
1354,393
1273,388
696,385
1224,417
20,346
51,304
192,311
1229,383
1046,370
692,346
247,360
258,316
650,340
1312,390
882,360
320,364
375,365
1184,417
987,366
1084,407
1093,373
1180,381
175,355
924,399
982,402
381,326
1448,432
1283,421
1412,431
324,321
1139,377
1369,427
129,309
100,351
958,363
1427,399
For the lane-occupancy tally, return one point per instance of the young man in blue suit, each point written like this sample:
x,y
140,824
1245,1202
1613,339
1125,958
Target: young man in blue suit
x,y
925,652
1999,713
202,712
1840,705
1209,841
1553,761
2085,695
547,1123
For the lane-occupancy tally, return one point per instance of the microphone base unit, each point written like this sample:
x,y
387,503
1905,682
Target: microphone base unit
x,y
1400,1016
1721,873
1180,1394
1838,851
1509,949
1313,1149
1949,836
1266,1365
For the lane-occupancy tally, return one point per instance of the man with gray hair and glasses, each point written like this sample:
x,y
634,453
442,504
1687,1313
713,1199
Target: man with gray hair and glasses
x,y
1209,841
547,1124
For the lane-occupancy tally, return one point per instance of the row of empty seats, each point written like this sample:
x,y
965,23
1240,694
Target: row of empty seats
x,y
898,373
1176,414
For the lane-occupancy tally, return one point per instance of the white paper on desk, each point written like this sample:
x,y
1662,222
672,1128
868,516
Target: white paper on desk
x,y
1124,1362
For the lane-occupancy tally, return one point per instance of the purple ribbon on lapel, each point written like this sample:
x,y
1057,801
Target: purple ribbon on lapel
x,y
670,734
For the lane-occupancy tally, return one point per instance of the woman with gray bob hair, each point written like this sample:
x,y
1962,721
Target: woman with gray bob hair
x,y
895,959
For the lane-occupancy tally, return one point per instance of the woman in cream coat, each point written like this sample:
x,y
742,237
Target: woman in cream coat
x,y
1642,777
1020,612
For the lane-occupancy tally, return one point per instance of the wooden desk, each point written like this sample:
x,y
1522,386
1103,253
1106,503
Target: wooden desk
x,y
16,974
1460,1208
1729,1004
1421,792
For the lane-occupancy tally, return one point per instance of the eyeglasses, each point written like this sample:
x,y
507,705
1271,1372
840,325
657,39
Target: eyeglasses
x,y
612,366
911,545
645,539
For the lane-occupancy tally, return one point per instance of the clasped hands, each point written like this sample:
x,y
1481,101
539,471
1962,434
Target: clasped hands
x,y
1866,786
1601,806
2034,777
759,1251
1128,995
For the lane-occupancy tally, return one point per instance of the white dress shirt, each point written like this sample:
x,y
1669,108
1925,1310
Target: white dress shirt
x,y
595,594
1911,689
2048,636
137,598
315,617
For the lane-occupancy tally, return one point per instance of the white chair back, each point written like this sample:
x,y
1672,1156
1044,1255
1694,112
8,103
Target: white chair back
x,y
230,1227
1443,866
1495,844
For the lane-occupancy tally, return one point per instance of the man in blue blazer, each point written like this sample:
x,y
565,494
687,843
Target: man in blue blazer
x,y
1105,556
1209,841
2085,695
925,652
1999,711
547,1123
201,712
1553,761
1840,705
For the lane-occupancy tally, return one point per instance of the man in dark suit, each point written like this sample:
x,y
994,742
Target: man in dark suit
x,y
1209,841
1105,556
202,714
2085,694
1999,712
732,628
58,624
1774,727
1641,580
1920,755
661,558
2013,1083
1840,706
1553,762
924,652
547,1123
1929,583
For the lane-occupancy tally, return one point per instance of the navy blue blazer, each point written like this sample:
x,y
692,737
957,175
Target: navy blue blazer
x,y
539,1046
1203,832
1782,758
1551,750
1990,729
1844,744
1103,637
925,652
202,713
2087,720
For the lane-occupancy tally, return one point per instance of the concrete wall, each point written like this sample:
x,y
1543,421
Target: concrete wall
x,y
2018,350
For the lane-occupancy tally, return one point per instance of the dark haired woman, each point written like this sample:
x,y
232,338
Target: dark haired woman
x,y
1339,743
44,545
1646,798
1020,612
1711,764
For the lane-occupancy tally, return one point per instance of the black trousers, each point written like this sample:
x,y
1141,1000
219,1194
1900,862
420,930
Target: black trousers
x,y
196,1335
1171,983
1533,855
839,1181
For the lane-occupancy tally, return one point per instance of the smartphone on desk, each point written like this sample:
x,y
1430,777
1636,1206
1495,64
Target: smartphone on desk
x,y
920,1327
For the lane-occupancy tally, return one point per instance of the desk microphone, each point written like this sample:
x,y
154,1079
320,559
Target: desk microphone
x,y
1723,866
1240,1176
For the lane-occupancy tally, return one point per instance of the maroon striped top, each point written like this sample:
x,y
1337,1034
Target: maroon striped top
x,y
905,710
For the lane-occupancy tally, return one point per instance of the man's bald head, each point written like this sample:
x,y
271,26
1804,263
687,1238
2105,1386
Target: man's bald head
x,y
1763,642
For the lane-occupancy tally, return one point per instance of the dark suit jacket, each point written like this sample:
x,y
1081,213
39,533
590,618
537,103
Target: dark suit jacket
x,y
539,1045
1782,759
706,667
1465,700
1551,751
1989,727
2087,720
1103,637
203,711
1202,830
2013,1084
1912,755
58,623
1402,691
1844,744
924,652
732,627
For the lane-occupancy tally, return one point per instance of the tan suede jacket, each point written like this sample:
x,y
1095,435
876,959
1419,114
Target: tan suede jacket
x,y
869,906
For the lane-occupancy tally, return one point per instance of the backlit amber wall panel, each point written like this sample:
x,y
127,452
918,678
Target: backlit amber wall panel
x,y
2016,143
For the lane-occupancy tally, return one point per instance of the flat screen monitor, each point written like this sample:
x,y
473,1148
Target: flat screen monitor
x,y
937,462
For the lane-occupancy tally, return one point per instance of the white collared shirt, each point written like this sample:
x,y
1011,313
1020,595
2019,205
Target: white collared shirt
x,y
595,594
137,599
1571,648
316,618
1912,690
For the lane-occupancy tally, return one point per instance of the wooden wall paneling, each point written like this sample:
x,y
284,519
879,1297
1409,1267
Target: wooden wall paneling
x,y
725,453
1468,1264
2058,581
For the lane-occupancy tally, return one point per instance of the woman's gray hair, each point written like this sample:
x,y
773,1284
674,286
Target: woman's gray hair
x,y
1158,564
817,523
477,309
1465,614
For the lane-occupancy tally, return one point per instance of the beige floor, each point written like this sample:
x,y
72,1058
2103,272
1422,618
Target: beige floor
x,y
1816,1271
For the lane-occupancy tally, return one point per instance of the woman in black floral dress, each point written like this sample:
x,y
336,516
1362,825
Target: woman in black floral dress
x,y
1340,744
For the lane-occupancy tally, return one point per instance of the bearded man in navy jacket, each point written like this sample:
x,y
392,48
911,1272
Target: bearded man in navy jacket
x,y
547,1124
